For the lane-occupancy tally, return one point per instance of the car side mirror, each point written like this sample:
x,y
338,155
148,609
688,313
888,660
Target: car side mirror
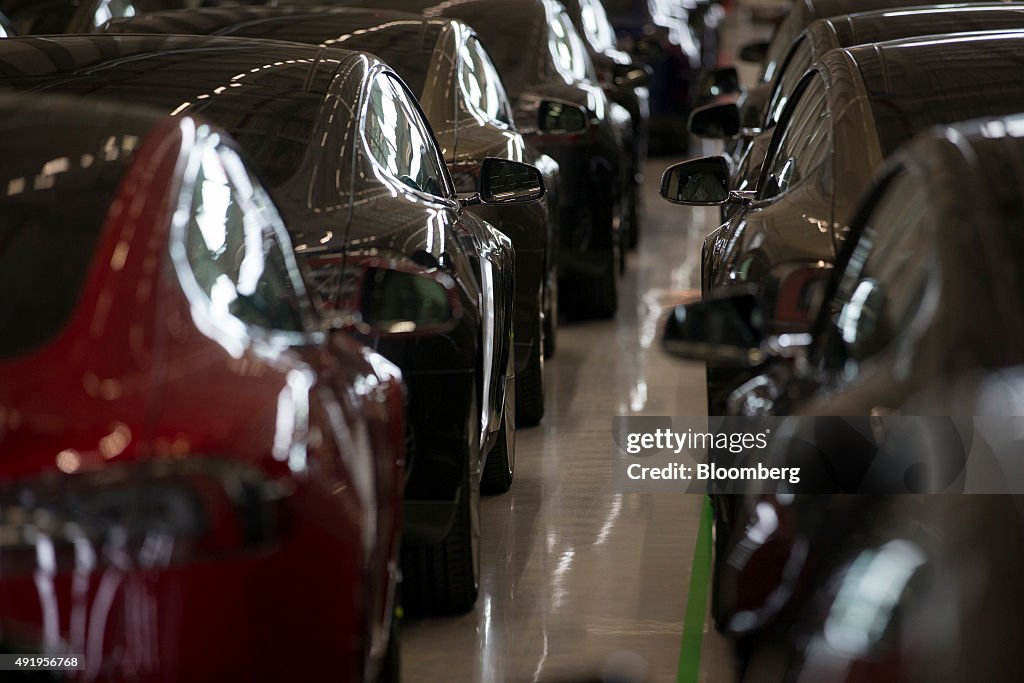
x,y
726,330
631,75
754,52
561,118
724,81
697,182
506,182
387,299
717,121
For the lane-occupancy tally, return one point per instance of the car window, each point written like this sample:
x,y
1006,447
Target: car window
x,y
399,141
596,28
884,281
801,142
796,65
52,216
568,54
40,16
234,250
481,85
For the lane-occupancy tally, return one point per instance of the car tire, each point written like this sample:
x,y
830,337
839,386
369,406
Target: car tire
x,y
500,465
551,317
444,577
635,217
530,384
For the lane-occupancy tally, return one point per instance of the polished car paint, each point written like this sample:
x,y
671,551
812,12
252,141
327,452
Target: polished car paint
x,y
181,507
435,58
312,121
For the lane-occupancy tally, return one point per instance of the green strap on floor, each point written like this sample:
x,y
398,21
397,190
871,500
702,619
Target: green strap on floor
x,y
696,600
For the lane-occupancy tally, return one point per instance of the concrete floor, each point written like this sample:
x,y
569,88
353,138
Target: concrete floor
x,y
575,576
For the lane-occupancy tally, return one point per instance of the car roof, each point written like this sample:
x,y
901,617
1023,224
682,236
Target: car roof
x,y
803,12
919,82
267,94
405,41
895,23
990,150
521,59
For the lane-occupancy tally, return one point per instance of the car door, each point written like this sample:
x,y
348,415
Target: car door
x,y
794,191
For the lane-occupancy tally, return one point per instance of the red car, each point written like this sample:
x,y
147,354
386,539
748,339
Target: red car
x,y
198,479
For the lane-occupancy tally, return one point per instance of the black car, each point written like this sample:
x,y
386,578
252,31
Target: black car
x,y
823,35
560,107
772,54
848,112
435,58
350,160
626,82
922,300
71,16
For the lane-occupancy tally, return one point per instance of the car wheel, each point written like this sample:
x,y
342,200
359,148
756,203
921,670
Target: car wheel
x,y
635,217
530,384
551,316
500,465
444,578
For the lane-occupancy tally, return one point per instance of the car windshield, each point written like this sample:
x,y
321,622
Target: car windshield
x,y
55,190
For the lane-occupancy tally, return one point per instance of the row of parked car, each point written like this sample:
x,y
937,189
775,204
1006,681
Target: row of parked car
x,y
281,282
868,266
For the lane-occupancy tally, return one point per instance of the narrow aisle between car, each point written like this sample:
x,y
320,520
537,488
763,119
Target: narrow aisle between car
x,y
574,574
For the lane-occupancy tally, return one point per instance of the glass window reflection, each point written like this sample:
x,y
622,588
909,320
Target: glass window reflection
x,y
481,85
233,250
398,140
596,27
568,55
802,143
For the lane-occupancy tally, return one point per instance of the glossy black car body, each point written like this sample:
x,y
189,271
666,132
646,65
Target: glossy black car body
x,y
933,252
861,28
435,58
541,57
71,16
290,107
802,12
851,110
949,609
626,82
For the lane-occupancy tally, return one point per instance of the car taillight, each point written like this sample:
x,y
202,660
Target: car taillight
x,y
799,291
157,513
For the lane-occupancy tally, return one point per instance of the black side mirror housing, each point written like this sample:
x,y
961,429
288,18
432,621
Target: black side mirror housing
x,y
723,81
561,118
509,182
631,75
716,121
725,330
697,182
754,52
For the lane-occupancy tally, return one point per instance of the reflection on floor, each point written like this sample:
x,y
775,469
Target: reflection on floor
x,y
575,576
